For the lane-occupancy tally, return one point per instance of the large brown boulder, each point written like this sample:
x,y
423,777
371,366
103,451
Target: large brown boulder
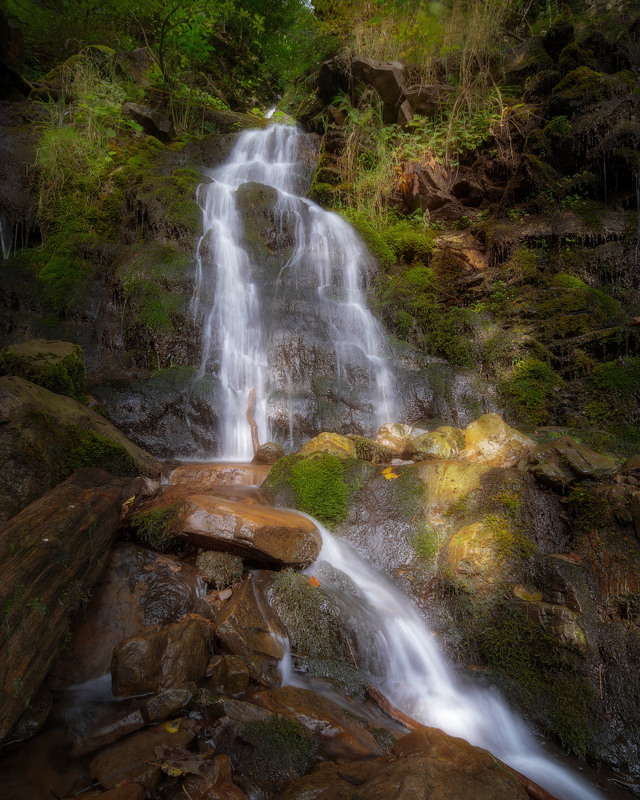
x,y
249,628
339,737
44,437
427,764
387,78
51,554
271,536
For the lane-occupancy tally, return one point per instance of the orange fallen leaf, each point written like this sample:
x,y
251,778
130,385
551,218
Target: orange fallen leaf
x,y
314,581
389,474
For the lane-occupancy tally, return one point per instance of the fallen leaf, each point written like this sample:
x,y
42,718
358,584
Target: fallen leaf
x,y
389,474
314,581
173,725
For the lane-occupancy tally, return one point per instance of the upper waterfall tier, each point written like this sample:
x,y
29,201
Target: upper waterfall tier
x,y
281,292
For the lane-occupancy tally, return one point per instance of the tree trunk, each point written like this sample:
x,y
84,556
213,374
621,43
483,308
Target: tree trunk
x,y
51,554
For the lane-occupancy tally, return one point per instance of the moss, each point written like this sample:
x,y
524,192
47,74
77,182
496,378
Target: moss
x,y
511,544
186,214
426,543
64,281
541,676
63,375
530,390
157,527
282,748
220,569
75,448
320,484
367,450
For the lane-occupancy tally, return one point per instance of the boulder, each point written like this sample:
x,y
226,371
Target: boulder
x,y
58,366
444,442
228,675
374,452
271,536
564,461
332,443
427,764
387,78
427,100
153,122
268,453
219,474
51,554
489,440
45,436
213,781
339,737
138,588
635,510
135,64
159,658
394,435
334,77
247,627
135,760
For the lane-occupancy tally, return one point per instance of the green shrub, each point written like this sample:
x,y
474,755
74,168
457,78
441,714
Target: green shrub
x,y
530,389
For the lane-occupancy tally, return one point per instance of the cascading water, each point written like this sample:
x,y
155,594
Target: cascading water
x,y
326,256
5,237
413,674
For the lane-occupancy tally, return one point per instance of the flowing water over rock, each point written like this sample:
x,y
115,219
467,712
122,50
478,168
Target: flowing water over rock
x,y
410,670
278,323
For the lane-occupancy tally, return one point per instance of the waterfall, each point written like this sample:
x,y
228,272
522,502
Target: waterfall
x,y
414,675
241,338
5,237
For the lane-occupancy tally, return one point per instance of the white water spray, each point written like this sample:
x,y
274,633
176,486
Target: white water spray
x,y
416,678
327,255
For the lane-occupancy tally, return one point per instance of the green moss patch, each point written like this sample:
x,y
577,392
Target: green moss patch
x,y
75,448
282,748
157,527
530,390
220,569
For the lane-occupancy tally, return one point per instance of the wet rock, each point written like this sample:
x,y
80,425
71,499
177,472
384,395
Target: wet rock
x,y
374,452
446,482
564,461
394,435
51,554
250,629
332,443
265,534
475,554
134,759
213,781
228,675
339,737
425,765
138,588
443,443
635,510
268,453
489,440
46,436
160,658
153,122
220,474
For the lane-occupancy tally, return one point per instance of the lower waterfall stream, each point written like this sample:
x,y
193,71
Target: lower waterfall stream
x,y
414,675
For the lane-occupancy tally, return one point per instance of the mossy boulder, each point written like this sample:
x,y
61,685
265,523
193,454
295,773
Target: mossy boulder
x,y
374,452
57,366
489,440
331,443
443,442
220,569
44,437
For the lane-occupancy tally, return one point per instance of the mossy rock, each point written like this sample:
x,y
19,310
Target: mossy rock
x,y
332,443
47,436
444,442
531,390
57,366
282,749
367,450
220,569
157,527
320,484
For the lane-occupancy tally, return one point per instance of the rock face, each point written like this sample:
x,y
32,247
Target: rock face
x,y
45,436
153,122
489,440
51,554
564,462
425,765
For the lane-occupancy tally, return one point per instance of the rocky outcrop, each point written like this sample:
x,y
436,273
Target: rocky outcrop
x,y
51,554
427,763
565,461
247,627
57,366
44,437
153,122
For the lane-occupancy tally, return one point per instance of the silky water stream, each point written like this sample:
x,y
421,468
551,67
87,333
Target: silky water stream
x,y
412,672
